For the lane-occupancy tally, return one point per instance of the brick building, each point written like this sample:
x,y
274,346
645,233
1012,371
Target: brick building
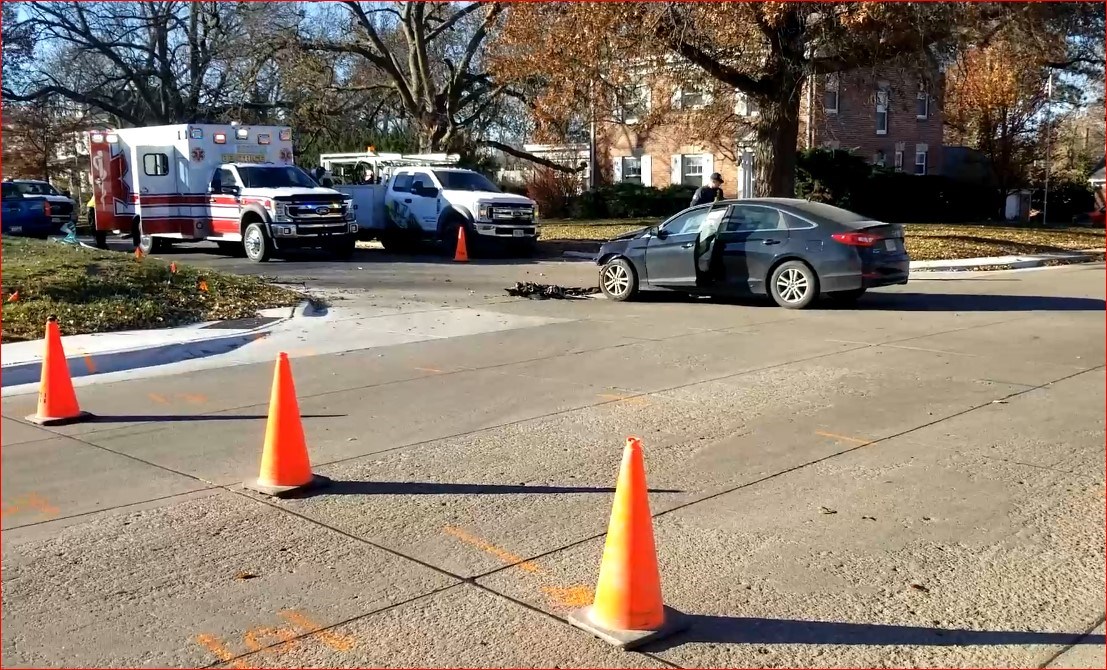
x,y
888,116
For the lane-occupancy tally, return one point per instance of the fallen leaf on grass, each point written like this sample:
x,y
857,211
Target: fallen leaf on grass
x,y
243,576
827,510
920,587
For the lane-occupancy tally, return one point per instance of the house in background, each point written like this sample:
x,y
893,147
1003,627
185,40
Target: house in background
x,y
1097,180
891,117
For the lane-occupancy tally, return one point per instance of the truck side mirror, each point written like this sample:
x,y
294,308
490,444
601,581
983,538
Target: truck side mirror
x,y
229,189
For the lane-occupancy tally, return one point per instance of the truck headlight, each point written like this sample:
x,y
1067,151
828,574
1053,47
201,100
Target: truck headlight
x,y
484,212
280,212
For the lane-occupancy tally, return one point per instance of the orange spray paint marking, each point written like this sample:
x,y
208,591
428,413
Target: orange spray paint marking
x,y
203,286
27,503
287,638
159,398
566,598
843,438
14,297
212,644
330,638
90,364
195,398
173,268
502,554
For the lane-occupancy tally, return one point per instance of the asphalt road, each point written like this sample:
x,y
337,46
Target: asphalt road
x,y
915,482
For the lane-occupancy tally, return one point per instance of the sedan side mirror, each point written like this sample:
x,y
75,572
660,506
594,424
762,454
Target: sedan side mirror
x,y
659,233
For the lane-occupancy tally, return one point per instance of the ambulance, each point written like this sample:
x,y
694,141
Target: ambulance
x,y
231,184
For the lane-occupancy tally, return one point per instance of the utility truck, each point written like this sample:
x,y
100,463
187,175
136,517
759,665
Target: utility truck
x,y
230,184
427,198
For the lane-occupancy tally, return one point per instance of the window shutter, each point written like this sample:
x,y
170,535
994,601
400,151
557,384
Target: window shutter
x,y
708,166
674,170
617,169
677,93
647,171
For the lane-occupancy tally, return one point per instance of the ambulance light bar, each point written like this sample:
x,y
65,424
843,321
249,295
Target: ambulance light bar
x,y
220,138
241,134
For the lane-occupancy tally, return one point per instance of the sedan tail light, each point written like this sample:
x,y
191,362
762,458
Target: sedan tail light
x,y
856,239
46,207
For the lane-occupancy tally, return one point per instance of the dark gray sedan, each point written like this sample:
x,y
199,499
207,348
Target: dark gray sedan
x,y
792,250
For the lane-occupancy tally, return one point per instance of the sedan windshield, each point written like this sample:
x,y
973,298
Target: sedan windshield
x,y
275,177
465,181
35,188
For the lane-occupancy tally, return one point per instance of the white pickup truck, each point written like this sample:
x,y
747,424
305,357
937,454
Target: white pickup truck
x,y
428,203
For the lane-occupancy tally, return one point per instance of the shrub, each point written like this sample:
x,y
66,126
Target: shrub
x,y
553,191
630,201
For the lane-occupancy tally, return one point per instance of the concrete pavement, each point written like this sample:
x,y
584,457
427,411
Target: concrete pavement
x,y
915,482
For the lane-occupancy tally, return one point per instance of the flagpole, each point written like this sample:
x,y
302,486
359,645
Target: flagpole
x,y
1049,105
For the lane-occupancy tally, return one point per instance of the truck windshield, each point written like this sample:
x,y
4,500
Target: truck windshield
x,y
465,181
34,188
275,177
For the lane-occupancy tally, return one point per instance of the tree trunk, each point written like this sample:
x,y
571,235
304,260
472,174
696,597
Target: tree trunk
x,y
777,140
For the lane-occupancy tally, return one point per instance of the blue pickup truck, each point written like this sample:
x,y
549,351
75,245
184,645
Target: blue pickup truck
x,y
23,214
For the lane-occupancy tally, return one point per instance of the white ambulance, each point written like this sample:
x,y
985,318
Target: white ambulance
x,y
230,184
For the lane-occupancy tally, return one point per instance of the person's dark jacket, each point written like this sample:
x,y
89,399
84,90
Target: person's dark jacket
x,y
706,194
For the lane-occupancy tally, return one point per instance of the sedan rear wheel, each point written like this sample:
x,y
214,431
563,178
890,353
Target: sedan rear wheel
x,y
793,285
618,281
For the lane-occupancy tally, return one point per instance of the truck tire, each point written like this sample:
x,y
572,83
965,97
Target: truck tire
x,y
344,250
447,236
231,248
256,242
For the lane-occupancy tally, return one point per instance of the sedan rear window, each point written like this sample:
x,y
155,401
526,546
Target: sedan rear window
x,y
843,217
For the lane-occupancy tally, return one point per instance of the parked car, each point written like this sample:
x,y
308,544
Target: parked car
x,y
793,250
62,208
27,215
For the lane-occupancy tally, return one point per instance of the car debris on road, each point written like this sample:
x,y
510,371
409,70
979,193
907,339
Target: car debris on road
x,y
548,291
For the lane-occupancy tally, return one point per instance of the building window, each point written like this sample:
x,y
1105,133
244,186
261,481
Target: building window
x,y
899,161
633,105
882,111
691,170
830,94
920,158
155,165
880,159
745,105
691,98
922,103
632,169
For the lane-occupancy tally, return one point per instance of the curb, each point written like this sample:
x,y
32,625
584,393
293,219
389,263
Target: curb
x,y
85,365
580,254
1018,262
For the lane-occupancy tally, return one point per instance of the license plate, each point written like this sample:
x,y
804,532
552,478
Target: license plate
x,y
17,229
890,245
518,233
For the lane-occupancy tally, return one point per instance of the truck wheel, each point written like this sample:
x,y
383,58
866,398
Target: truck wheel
x,y
344,250
447,237
230,248
258,247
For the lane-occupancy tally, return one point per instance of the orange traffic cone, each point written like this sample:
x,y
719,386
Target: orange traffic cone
x,y
285,466
462,253
627,610
57,401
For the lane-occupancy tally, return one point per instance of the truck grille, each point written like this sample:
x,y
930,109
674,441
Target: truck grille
x,y
319,211
513,213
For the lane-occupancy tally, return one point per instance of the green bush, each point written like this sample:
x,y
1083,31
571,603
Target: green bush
x,y
629,201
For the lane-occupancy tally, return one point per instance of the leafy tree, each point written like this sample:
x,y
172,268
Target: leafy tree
x,y
572,58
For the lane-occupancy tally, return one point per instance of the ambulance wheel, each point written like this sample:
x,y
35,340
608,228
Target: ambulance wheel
x,y
258,247
147,243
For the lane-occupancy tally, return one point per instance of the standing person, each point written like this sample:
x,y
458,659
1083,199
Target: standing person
x,y
713,192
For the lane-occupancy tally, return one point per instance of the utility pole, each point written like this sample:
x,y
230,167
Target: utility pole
x,y
1049,105
591,137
